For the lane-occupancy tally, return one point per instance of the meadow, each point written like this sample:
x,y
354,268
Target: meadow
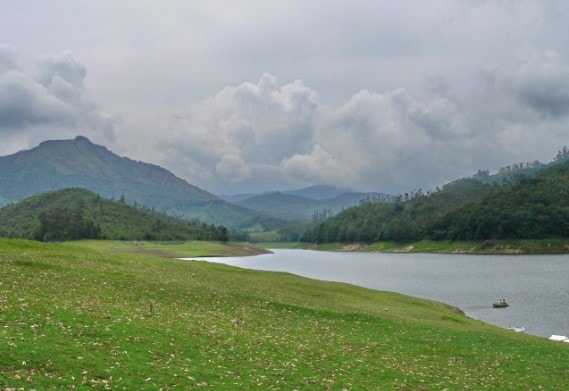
x,y
114,315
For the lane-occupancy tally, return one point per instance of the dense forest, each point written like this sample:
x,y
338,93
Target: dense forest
x,y
75,213
523,207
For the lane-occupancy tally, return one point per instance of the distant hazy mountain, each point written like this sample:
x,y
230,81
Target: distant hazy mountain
x,y
315,192
319,192
291,207
61,164
236,198
281,205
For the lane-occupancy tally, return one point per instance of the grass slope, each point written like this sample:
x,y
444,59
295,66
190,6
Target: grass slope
x,y
82,316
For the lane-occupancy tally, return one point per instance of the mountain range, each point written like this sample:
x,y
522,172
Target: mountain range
x,y
315,192
292,206
58,164
79,163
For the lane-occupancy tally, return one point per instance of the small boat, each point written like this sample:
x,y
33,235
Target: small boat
x,y
517,329
559,338
500,304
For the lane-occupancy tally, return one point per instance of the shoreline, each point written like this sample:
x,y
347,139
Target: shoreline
x,y
487,247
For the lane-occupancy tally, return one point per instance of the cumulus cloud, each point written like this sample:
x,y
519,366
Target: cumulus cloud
x,y
542,83
283,135
380,141
7,58
254,126
54,99
269,135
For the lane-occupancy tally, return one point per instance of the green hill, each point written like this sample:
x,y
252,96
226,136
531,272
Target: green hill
x,y
525,207
531,207
69,214
59,164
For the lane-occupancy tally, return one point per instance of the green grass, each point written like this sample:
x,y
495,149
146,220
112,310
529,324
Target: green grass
x,y
174,249
105,316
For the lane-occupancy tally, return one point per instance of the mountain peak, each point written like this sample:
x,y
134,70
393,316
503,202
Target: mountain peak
x,y
82,139
78,163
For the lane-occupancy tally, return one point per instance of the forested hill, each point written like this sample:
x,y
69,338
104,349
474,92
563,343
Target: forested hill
x,y
58,164
526,207
70,214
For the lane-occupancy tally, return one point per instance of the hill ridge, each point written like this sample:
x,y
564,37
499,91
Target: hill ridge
x,y
58,164
77,213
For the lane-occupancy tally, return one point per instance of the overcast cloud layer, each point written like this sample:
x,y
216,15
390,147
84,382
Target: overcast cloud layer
x,y
261,95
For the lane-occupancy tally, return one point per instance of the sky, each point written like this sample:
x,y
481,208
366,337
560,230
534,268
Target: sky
x,y
248,96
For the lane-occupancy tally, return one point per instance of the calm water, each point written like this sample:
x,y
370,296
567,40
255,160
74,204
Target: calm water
x,y
536,286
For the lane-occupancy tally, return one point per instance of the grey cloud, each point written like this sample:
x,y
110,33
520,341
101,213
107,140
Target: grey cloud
x,y
55,99
539,82
7,59
375,140
388,141
262,130
543,84
62,66
252,126
23,103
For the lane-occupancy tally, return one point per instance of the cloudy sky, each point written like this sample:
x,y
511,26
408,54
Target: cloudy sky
x,y
246,96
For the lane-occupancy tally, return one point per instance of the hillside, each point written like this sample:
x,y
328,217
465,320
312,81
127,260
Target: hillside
x,y
69,214
61,164
526,207
531,207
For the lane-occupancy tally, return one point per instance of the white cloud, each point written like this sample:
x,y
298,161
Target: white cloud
x,y
375,141
53,101
233,168
254,123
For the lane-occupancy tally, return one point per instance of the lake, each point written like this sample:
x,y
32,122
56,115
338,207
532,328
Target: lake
x,y
535,286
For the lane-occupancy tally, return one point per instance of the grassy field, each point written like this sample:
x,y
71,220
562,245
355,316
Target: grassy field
x,y
105,315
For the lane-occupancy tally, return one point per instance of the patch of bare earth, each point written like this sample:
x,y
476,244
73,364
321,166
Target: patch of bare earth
x,y
350,247
406,249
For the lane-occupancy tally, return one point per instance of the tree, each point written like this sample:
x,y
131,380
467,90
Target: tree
x,y
59,224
